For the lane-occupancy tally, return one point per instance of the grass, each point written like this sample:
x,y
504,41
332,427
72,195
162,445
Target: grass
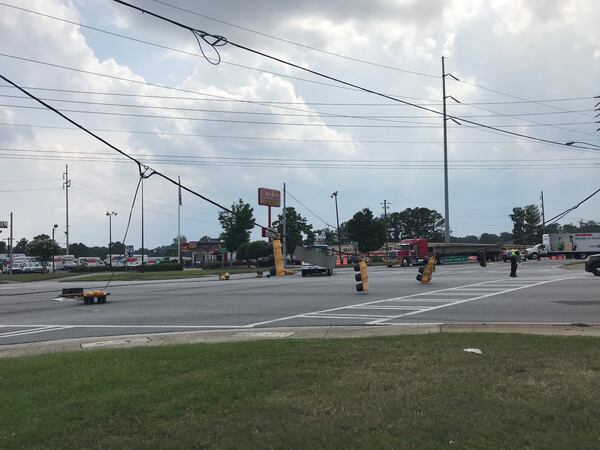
x,y
167,275
580,265
28,277
385,392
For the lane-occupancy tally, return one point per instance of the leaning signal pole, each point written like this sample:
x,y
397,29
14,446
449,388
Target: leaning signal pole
x,y
66,186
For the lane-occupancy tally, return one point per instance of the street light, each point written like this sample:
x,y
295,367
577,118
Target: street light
x,y
54,227
337,218
110,214
570,143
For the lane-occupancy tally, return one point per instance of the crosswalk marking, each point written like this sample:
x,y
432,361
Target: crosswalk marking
x,y
420,303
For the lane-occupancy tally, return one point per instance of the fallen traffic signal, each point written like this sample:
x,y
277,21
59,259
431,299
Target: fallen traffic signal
x,y
426,270
361,276
482,259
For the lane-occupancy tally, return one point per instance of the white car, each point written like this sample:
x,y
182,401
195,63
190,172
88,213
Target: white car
x,y
33,267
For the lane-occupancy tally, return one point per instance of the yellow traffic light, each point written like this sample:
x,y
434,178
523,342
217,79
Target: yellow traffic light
x,y
278,257
426,271
361,276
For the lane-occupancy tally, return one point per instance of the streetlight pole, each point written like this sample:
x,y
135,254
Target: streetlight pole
x,y
337,218
110,215
53,229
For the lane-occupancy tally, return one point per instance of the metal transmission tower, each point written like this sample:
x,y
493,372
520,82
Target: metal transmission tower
x,y
66,186
445,119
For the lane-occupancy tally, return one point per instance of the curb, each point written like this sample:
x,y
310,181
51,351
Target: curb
x,y
255,334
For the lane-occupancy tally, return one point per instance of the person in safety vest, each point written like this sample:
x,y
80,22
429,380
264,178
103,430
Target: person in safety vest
x,y
514,261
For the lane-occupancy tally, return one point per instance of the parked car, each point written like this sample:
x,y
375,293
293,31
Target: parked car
x,y
592,264
33,267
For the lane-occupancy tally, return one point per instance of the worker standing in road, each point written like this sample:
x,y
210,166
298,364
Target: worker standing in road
x,y
514,260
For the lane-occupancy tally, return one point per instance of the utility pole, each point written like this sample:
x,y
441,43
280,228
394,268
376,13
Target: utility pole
x,y
10,245
447,207
284,240
179,222
53,229
543,215
66,186
142,269
337,218
445,118
385,205
110,215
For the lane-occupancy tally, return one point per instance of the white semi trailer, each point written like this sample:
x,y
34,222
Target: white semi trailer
x,y
571,245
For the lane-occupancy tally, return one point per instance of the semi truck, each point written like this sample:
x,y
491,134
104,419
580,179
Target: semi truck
x,y
413,252
571,245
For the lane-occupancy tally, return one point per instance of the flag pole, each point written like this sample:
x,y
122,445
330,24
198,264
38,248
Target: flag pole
x,y
179,222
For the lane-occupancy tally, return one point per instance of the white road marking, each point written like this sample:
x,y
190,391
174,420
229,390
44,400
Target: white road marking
x,y
377,322
26,332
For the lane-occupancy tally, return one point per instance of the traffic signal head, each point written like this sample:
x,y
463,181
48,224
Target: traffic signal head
x,y
361,276
426,271
482,259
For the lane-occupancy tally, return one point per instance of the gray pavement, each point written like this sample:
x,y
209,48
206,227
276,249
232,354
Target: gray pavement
x,y
462,294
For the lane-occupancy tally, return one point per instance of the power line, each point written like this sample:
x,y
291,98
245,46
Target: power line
x,y
564,213
308,103
223,41
310,210
225,111
287,41
263,122
337,160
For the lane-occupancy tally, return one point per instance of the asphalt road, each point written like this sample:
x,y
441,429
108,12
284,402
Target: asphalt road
x,y
542,293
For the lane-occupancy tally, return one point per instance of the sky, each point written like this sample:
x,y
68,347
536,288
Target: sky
x,y
530,67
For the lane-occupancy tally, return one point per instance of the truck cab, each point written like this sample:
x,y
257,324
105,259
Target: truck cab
x,y
536,251
407,253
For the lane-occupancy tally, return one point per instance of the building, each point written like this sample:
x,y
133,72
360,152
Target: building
x,y
204,251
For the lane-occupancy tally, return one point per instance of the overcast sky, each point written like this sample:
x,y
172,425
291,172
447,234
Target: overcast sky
x,y
530,67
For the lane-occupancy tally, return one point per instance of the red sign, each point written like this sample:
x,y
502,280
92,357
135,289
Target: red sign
x,y
269,197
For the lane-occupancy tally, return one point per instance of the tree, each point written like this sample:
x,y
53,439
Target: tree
x,y
2,247
553,228
526,224
256,250
236,227
505,236
21,246
366,230
298,231
79,249
43,247
240,254
421,223
489,238
394,227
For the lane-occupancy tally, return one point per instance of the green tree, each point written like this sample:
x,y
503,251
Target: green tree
x,y
2,247
366,230
240,254
489,238
553,228
79,249
394,227
421,223
526,224
326,236
256,250
237,226
42,247
506,237
298,230
21,246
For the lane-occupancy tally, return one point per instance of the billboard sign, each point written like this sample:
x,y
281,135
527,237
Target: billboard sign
x,y
3,224
269,197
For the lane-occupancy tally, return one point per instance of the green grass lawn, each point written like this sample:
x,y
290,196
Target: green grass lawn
x,y
167,275
419,391
26,277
